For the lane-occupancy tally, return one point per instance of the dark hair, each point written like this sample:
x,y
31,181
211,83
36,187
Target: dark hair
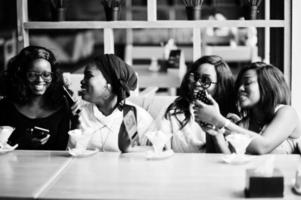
x,y
272,87
16,85
223,94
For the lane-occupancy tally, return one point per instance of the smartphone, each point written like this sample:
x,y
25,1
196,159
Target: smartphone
x,y
38,132
202,96
68,96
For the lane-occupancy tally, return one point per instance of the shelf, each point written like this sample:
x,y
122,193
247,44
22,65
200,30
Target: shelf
x,y
152,24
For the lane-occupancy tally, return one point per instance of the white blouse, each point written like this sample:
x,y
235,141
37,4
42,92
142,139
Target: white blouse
x,y
190,139
102,131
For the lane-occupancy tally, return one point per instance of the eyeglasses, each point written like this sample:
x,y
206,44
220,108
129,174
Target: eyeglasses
x,y
204,81
32,76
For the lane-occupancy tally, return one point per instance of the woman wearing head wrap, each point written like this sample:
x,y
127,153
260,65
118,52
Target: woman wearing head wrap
x,y
106,121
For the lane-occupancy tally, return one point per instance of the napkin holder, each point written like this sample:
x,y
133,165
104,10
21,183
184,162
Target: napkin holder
x,y
262,186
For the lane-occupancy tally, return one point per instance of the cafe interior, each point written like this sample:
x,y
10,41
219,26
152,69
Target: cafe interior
x,y
159,39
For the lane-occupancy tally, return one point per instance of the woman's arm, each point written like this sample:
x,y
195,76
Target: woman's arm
x,y
216,142
221,144
280,128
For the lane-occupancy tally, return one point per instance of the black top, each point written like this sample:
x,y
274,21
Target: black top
x,y
57,123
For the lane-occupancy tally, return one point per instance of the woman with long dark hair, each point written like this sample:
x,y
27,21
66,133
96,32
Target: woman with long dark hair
x,y
210,74
33,101
267,118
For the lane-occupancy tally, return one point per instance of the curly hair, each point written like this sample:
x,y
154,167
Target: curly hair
x,y
15,85
272,87
223,94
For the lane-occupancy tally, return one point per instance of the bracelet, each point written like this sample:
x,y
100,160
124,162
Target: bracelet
x,y
222,130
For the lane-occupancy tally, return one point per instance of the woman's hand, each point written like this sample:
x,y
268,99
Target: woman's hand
x,y
208,113
211,131
76,107
233,118
36,142
73,100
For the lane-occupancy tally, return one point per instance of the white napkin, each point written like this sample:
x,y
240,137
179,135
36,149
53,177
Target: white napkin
x,y
266,169
159,140
5,132
239,142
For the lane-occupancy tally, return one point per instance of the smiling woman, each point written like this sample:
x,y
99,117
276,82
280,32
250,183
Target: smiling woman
x,y
207,75
108,122
267,119
34,101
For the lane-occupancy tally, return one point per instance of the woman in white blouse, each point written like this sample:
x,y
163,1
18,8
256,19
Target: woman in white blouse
x,y
108,123
210,74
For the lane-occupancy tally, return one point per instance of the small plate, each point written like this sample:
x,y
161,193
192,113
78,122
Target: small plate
x,y
7,148
151,155
296,189
82,152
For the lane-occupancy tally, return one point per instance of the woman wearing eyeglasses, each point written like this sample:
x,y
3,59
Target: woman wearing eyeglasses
x,y
33,101
268,123
209,74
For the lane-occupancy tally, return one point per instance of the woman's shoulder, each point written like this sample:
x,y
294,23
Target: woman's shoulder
x,y
285,111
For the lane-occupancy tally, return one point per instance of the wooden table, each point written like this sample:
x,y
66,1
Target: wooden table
x,y
52,175
27,173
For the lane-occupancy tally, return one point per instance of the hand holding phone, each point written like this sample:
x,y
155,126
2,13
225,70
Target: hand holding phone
x,y
68,95
74,103
39,136
38,132
202,96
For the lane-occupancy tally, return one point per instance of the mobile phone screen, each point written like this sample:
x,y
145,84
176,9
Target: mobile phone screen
x,y
38,132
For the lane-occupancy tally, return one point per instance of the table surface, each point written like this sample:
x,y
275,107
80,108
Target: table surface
x,y
55,175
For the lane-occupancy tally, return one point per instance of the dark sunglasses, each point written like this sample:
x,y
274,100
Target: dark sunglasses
x,y
204,81
33,76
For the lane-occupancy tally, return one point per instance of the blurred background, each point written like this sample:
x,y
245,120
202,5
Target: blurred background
x,y
74,48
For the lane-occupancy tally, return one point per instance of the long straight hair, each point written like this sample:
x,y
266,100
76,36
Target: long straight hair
x,y
223,93
272,87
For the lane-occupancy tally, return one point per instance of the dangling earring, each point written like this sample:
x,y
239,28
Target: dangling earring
x,y
107,91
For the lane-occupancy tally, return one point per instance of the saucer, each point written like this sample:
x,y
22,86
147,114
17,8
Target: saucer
x,y
82,152
7,148
236,158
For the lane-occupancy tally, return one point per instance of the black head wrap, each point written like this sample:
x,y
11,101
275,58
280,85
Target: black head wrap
x,y
120,75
